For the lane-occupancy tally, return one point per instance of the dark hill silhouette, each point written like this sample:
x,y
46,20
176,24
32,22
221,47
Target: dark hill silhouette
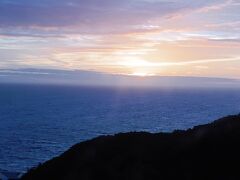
x,y
209,151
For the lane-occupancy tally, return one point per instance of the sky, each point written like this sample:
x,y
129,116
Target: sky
x,y
130,37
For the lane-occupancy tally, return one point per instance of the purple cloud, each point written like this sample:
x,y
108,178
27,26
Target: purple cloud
x,y
90,13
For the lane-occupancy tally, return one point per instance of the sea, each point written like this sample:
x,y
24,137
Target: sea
x,y
39,122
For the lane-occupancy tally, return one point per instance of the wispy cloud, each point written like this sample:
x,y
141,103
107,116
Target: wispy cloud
x,y
217,6
181,63
81,16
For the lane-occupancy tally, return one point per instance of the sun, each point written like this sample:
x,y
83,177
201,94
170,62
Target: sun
x,y
137,67
141,74
136,63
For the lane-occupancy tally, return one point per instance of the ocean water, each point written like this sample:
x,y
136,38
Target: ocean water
x,y
40,122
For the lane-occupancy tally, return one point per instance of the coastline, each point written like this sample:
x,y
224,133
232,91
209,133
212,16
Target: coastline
x,y
202,152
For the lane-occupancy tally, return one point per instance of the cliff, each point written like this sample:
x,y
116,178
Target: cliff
x,y
209,151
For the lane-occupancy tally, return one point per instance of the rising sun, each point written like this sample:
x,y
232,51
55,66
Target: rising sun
x,y
138,67
141,74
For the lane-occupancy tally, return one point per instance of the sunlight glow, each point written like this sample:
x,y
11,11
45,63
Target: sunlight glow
x,y
141,74
136,63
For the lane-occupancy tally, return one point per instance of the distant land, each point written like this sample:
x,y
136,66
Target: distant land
x,y
204,152
91,78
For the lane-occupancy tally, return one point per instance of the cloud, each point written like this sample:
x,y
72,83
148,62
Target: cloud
x,y
217,6
81,15
58,19
181,63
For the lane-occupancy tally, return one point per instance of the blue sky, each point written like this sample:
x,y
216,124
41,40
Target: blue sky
x,y
131,37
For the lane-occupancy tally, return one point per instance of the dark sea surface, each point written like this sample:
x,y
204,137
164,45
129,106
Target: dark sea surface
x,y
40,122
